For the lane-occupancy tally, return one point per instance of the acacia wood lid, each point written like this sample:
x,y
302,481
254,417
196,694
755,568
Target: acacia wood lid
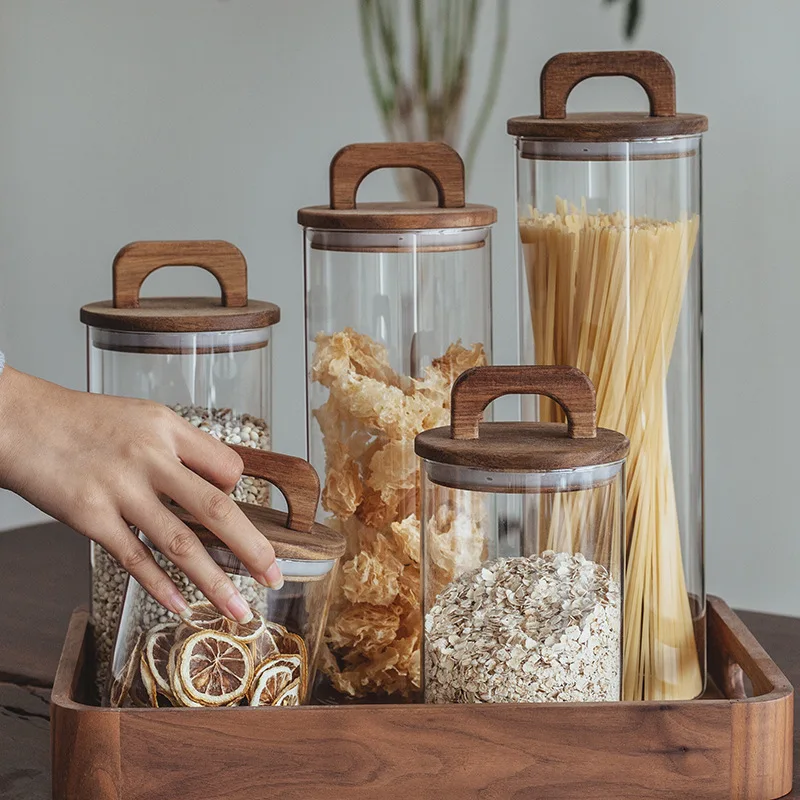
x,y
564,71
134,262
353,163
294,535
522,446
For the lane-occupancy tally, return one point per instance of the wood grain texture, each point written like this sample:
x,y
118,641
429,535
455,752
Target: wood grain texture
x,y
624,751
475,388
84,740
294,477
563,72
135,261
44,574
127,311
320,543
520,446
440,162
763,726
294,534
354,162
24,742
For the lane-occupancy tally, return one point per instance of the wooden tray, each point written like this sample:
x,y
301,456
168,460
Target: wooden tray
x,y
732,746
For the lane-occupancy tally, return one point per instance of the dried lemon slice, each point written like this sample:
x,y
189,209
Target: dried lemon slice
x,y
214,668
290,696
179,696
157,648
294,644
148,681
268,683
120,688
264,646
205,617
294,662
277,630
182,633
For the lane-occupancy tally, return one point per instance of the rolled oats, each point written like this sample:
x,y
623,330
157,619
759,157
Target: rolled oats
x,y
528,629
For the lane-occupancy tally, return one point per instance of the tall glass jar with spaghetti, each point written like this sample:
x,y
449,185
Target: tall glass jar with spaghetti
x,y
610,282
398,303
207,358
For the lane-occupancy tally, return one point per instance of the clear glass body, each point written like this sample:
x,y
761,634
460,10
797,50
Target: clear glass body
x,y
610,282
391,320
522,577
147,667
218,380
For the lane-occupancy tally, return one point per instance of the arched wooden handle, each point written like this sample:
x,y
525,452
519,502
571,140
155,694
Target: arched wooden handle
x,y
436,159
138,259
296,479
562,73
474,389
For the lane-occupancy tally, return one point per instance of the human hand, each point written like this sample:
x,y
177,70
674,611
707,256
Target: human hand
x,y
99,464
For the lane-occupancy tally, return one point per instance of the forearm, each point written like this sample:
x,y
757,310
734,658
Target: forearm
x,y
18,394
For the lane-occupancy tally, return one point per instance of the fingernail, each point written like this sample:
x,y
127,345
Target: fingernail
x,y
180,606
274,576
238,609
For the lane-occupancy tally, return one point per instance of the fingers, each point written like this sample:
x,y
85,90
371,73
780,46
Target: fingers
x,y
179,544
136,557
217,512
208,457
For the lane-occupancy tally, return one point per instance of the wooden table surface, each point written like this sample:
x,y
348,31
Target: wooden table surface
x,y
44,574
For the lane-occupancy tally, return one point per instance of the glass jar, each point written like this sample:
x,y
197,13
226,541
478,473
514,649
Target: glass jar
x,y
398,303
206,358
610,282
523,546
208,660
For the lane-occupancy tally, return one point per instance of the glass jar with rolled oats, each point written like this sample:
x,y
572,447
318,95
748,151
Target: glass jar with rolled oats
x,y
207,358
398,303
523,541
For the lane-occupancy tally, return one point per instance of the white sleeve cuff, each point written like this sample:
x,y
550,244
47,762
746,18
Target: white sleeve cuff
x,y
2,362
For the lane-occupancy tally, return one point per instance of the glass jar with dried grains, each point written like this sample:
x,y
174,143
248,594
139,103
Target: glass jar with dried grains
x,y
207,358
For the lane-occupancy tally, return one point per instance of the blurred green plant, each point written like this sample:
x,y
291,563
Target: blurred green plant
x,y
633,15
421,97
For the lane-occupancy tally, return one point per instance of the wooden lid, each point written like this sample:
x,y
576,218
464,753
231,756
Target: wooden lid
x,y
563,72
353,163
294,535
134,262
522,446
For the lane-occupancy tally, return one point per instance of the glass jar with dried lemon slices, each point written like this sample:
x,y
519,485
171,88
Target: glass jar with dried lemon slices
x,y
208,660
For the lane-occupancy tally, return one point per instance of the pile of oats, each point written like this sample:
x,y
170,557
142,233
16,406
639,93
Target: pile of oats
x,y
536,629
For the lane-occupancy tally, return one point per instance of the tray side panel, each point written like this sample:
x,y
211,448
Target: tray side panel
x,y
84,741
761,749
631,752
85,754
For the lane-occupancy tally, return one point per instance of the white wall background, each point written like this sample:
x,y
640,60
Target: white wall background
x,y
217,119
